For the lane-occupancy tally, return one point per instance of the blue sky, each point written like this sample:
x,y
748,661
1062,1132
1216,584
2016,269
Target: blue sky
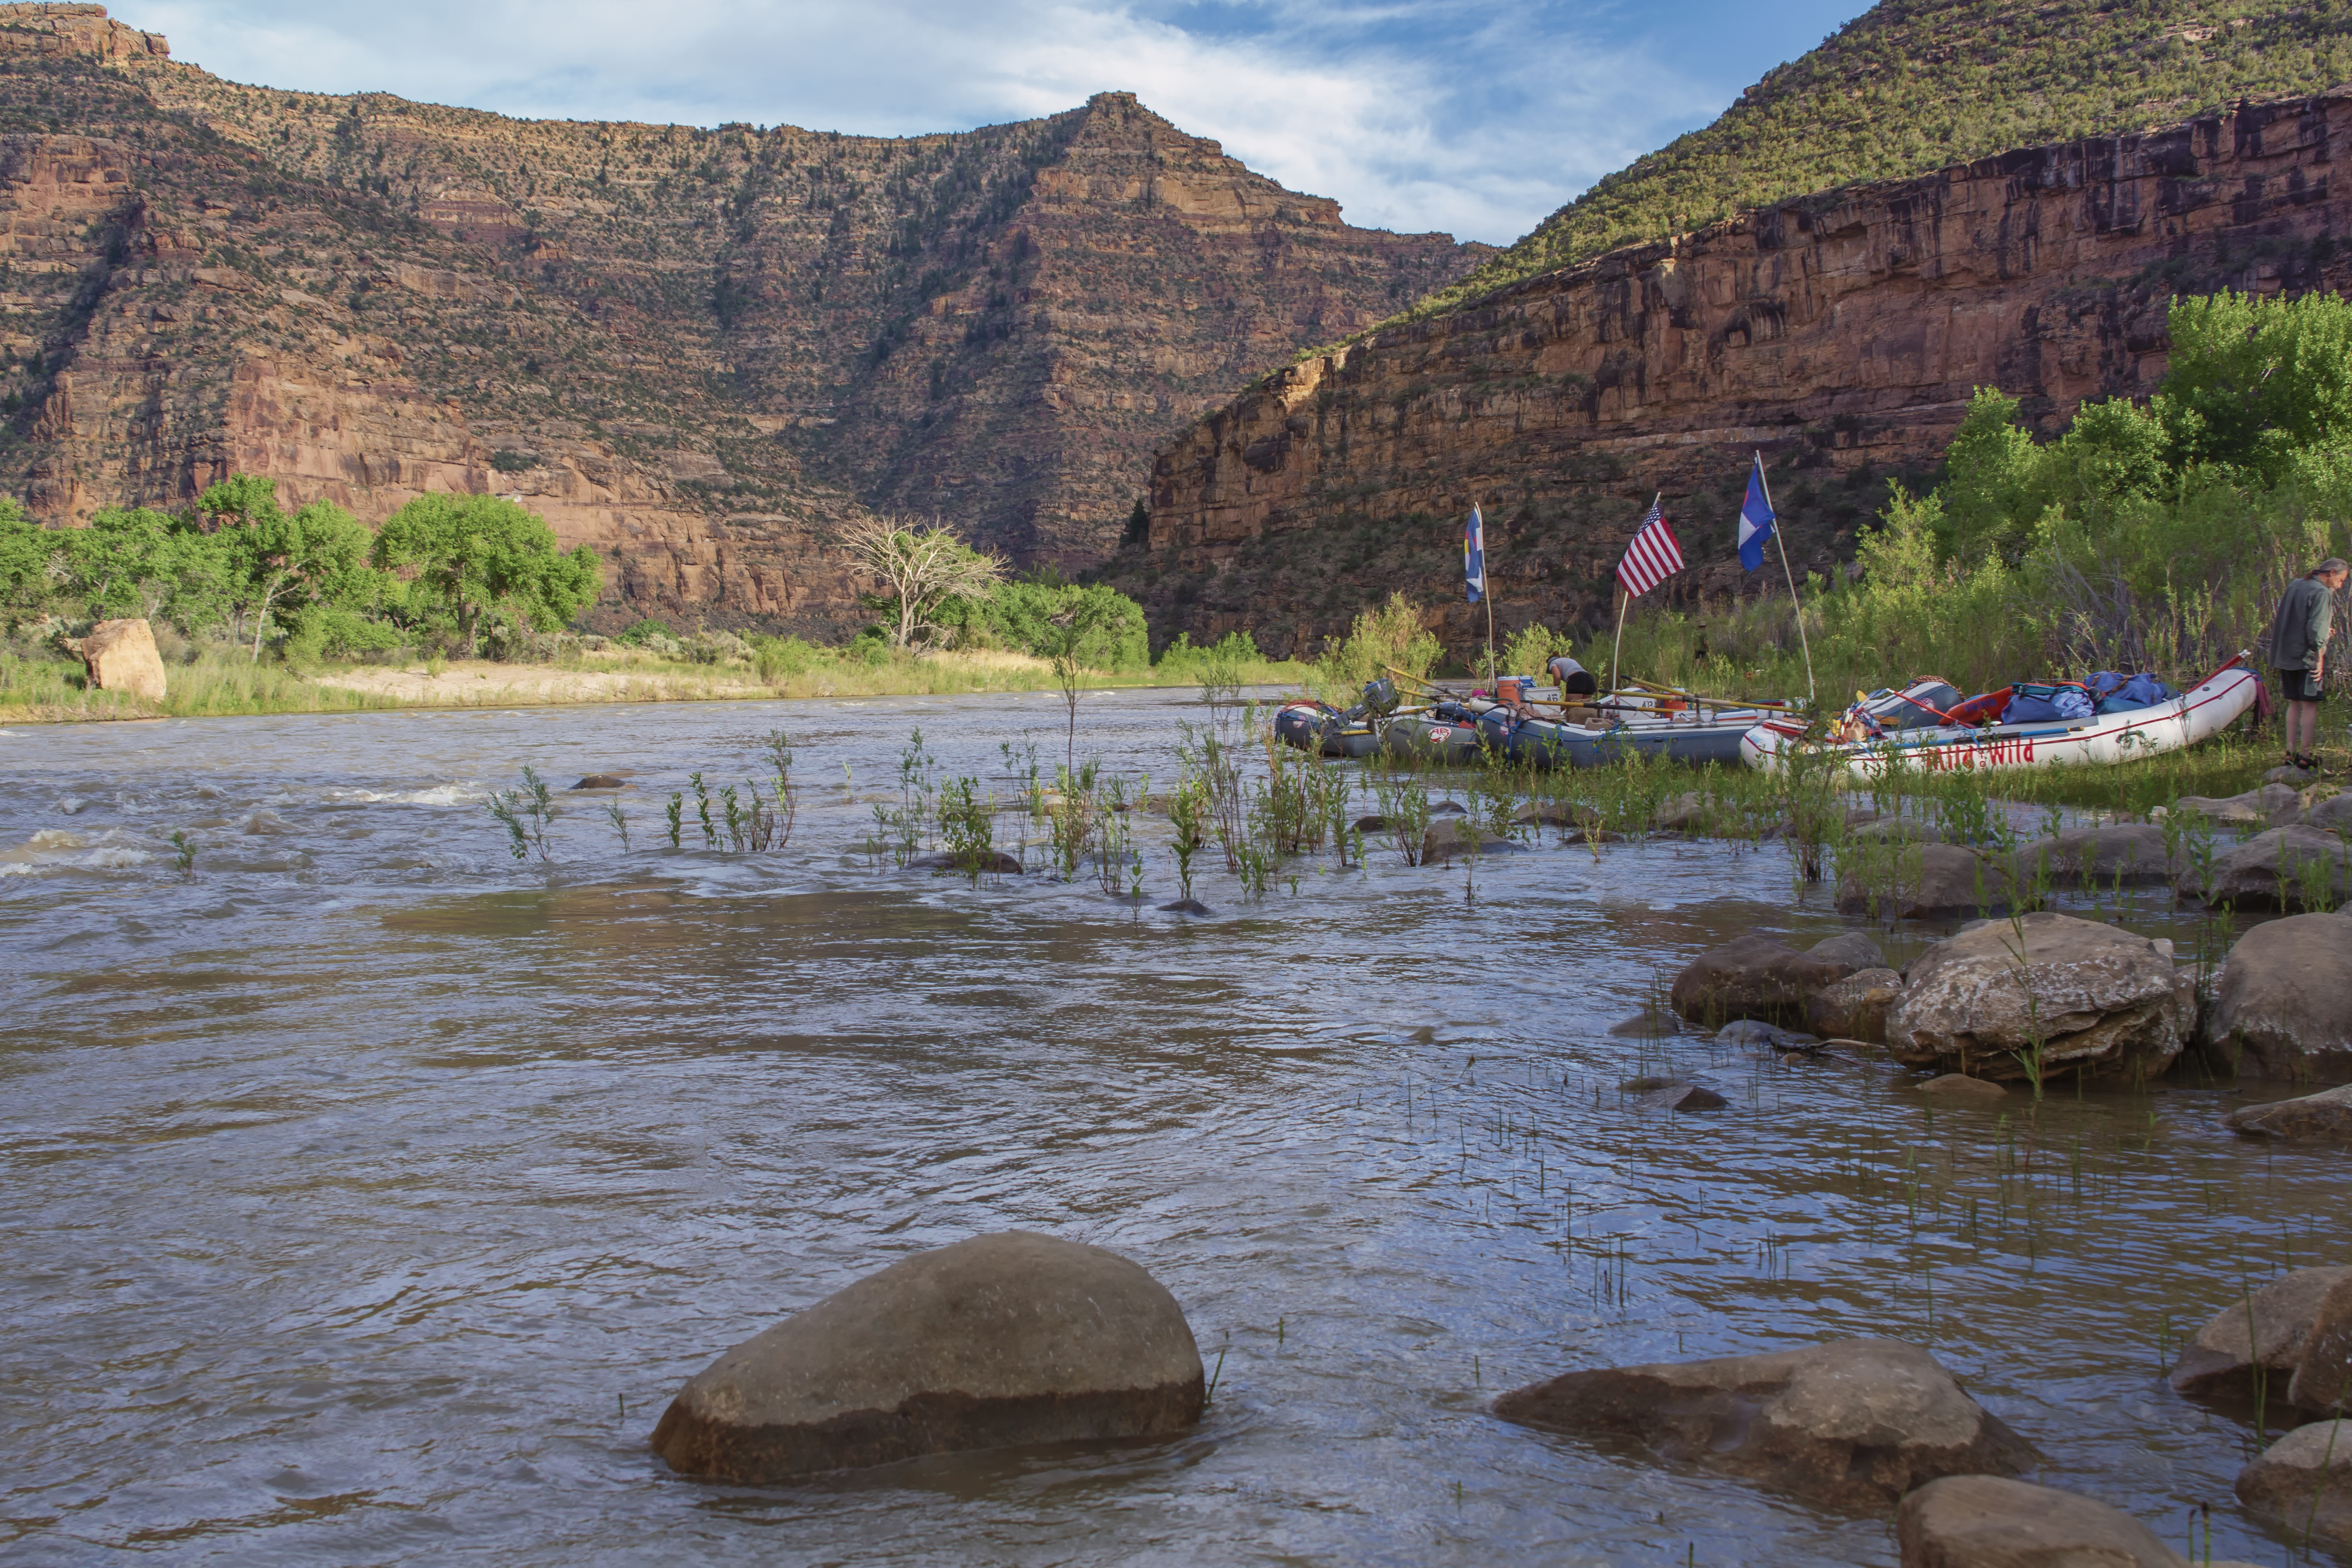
x,y
1476,119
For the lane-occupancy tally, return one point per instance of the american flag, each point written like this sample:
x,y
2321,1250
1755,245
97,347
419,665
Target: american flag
x,y
1654,555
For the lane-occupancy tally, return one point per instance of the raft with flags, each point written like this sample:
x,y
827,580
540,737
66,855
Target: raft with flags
x,y
1928,726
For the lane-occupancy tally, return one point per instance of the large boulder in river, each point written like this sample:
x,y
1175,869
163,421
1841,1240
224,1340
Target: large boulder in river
x,y
1922,882
1990,1522
1853,1423
121,657
2303,1483
2096,1000
2324,1117
2284,868
2126,855
2269,1329
1011,1338
2282,1009
1753,978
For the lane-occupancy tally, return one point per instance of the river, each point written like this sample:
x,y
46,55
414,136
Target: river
x,y
369,1193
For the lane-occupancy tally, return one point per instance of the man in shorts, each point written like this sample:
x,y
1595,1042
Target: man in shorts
x,y
2299,653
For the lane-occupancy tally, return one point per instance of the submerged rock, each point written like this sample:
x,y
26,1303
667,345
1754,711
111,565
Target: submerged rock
x,y
1446,841
2270,1329
2291,868
1961,1089
1856,1007
1003,1339
2281,1008
120,656
601,781
2303,1482
2094,1000
2325,1117
1753,978
1674,1095
1899,830
995,862
1765,1037
1855,1423
1990,1521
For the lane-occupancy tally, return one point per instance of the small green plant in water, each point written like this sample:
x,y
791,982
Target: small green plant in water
x,y
184,856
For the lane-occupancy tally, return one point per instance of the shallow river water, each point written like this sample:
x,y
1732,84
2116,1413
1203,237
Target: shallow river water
x,y
368,1196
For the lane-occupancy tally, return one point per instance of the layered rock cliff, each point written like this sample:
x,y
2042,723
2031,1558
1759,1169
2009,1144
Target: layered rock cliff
x,y
1840,336
691,349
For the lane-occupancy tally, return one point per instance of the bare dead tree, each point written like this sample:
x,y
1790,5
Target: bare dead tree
x,y
922,565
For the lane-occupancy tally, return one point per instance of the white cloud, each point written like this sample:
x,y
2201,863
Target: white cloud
x,y
1420,114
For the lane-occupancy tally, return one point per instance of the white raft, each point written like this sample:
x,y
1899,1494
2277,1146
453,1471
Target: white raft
x,y
2206,708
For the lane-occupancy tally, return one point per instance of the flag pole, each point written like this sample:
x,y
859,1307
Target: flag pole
x,y
1781,545
1622,605
1623,599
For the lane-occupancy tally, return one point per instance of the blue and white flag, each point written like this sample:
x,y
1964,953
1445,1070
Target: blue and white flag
x,y
1473,554
1755,518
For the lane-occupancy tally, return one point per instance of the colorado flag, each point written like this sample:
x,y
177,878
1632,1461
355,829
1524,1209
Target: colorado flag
x,y
1473,554
1755,518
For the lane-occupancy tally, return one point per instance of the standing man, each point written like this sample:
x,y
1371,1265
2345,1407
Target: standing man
x,y
2299,653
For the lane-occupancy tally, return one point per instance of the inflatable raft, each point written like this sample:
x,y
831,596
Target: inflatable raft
x,y
1913,728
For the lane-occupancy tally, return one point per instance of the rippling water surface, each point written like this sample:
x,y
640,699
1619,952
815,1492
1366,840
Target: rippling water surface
x,y
368,1196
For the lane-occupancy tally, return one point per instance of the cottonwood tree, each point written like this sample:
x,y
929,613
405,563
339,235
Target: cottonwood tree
x,y
278,560
485,552
922,565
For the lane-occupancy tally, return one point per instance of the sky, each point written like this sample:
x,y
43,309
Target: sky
x,y
1476,119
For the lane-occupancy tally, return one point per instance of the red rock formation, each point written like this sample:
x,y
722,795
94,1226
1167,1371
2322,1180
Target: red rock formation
x,y
691,349
1841,335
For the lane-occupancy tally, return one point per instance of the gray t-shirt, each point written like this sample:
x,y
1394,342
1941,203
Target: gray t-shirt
x,y
2301,630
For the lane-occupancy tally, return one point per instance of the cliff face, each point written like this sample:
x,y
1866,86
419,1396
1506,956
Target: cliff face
x,y
690,349
1841,336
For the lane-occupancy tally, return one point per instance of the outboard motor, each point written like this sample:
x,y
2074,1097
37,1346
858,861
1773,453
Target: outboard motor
x,y
1575,680
1381,697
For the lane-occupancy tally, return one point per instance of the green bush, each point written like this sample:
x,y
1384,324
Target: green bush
x,y
642,633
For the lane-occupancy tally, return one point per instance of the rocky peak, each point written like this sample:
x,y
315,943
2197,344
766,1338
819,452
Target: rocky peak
x,y
75,30
1122,153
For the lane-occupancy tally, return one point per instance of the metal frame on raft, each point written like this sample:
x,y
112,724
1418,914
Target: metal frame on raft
x,y
1645,719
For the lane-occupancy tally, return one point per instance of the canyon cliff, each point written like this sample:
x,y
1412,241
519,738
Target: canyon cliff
x,y
691,349
1839,335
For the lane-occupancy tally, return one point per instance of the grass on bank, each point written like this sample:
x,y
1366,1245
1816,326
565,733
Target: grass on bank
x,y
210,681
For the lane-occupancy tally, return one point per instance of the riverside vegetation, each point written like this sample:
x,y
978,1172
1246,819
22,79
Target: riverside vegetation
x,y
2144,536
259,610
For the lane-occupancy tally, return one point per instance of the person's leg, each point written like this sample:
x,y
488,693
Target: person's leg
x,y
2302,728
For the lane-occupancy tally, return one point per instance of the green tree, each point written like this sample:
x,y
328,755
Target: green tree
x,y
32,561
482,553
2253,382
280,561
